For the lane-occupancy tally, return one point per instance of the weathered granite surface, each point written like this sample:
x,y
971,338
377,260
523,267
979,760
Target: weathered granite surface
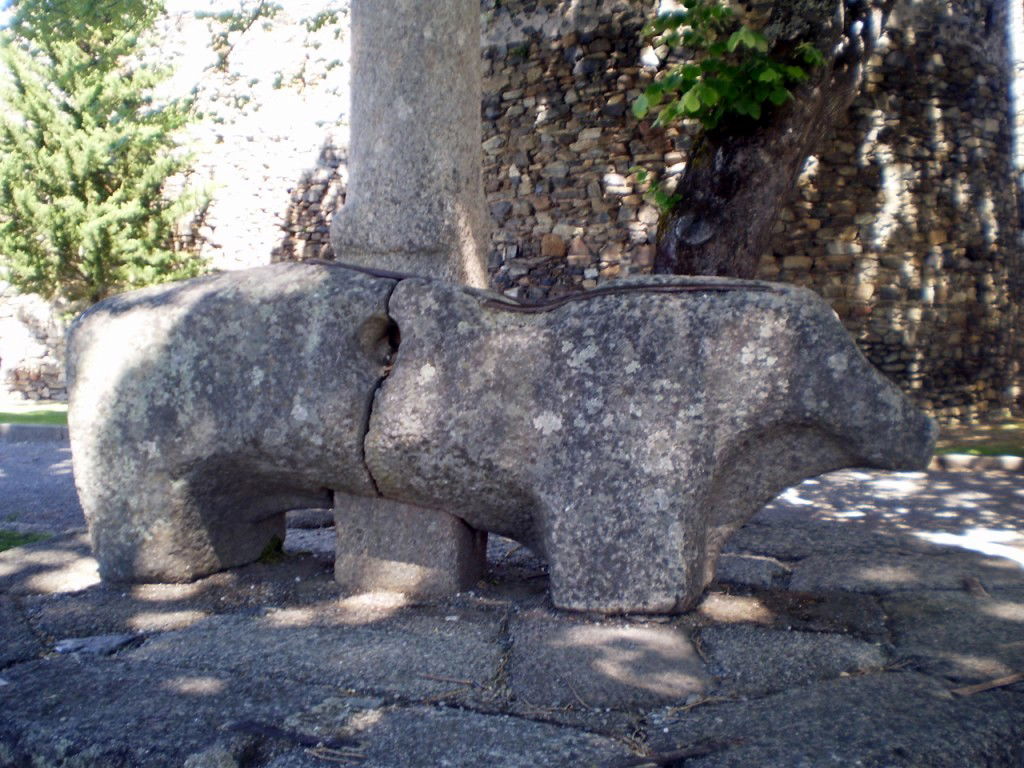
x,y
201,412
386,545
415,199
623,436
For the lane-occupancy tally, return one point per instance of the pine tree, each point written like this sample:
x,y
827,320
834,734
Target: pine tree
x,y
86,153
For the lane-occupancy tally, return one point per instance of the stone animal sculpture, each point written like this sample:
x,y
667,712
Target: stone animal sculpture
x,y
622,435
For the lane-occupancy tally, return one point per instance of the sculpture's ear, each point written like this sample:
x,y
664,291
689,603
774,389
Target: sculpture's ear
x,y
378,337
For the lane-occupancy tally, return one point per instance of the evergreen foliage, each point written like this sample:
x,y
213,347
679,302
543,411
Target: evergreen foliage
x,y
86,153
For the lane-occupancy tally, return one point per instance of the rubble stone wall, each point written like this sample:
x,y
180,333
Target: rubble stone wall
x,y
906,219
31,347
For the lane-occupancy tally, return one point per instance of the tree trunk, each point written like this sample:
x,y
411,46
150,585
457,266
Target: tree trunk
x,y
739,176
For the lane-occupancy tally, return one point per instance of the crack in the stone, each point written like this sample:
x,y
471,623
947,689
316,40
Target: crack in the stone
x,y
394,340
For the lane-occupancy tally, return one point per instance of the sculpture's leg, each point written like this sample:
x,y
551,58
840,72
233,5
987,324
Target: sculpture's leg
x,y
648,556
155,529
384,545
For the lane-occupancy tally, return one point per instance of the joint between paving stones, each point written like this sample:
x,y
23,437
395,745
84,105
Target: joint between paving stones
x,y
500,681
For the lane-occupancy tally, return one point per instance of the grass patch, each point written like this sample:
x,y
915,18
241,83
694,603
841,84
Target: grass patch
x,y
986,449
58,417
10,539
1005,439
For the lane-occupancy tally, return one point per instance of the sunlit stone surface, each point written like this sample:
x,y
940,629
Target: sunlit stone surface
x,y
415,199
623,435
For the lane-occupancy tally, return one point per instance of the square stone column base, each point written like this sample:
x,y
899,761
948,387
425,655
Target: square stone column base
x,y
386,546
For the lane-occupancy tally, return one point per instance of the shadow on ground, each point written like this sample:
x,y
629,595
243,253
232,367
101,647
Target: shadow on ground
x,y
846,621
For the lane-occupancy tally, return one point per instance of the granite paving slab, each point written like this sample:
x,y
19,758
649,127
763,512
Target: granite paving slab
x,y
850,613
428,737
962,636
798,656
884,572
36,483
895,719
413,656
61,564
751,661
100,608
610,664
17,640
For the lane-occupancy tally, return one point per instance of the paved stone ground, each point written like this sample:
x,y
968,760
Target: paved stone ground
x,y
37,490
846,618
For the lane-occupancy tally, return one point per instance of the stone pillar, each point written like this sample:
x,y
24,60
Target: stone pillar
x,y
415,201
384,545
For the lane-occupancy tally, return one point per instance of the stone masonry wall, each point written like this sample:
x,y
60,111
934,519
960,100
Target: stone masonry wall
x,y
31,347
270,142
906,220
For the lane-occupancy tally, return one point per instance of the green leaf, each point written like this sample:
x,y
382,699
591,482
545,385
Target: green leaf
x,y
794,73
747,37
779,96
641,173
718,50
708,94
691,100
769,75
641,106
669,113
810,54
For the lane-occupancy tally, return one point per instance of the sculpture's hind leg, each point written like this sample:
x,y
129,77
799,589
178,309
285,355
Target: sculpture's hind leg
x,y
167,530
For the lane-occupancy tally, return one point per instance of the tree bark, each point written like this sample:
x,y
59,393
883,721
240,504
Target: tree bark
x,y
739,175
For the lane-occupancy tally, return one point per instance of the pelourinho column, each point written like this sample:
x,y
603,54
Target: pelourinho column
x,y
415,199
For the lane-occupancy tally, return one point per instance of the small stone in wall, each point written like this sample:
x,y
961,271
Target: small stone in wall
x,y
552,247
578,247
644,256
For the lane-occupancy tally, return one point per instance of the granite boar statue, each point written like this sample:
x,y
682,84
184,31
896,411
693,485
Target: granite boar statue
x,y
622,434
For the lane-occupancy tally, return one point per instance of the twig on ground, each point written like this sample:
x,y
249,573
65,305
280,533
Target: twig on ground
x,y
898,664
577,694
509,554
701,702
999,682
444,695
667,758
339,756
446,679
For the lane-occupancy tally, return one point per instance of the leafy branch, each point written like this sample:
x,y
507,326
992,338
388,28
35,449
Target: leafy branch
x,y
727,71
656,193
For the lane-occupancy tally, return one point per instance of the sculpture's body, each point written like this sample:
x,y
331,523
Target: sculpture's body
x,y
622,436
